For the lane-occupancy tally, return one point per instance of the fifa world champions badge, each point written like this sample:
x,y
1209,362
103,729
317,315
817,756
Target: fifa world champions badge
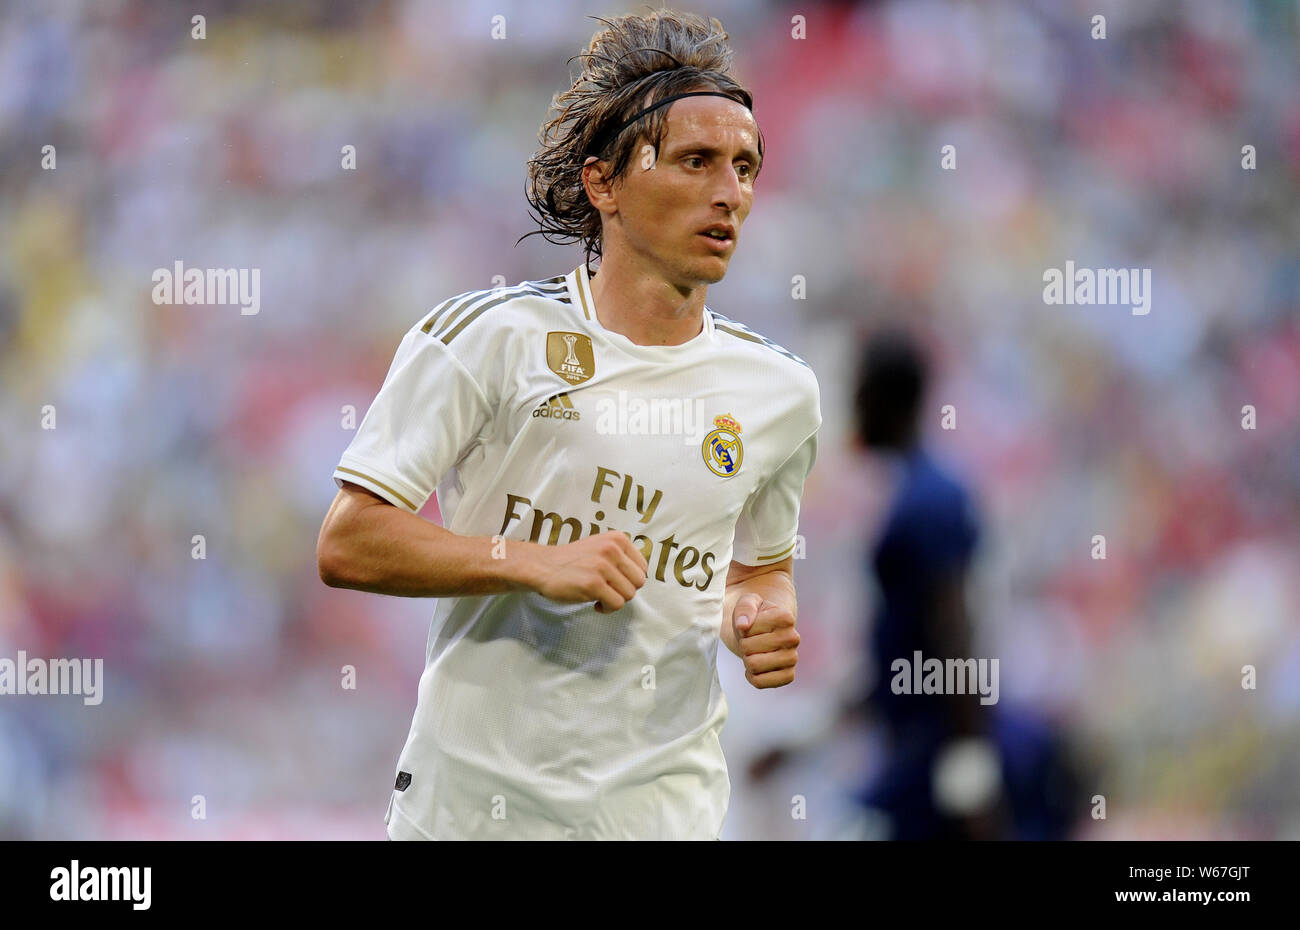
x,y
722,449
570,356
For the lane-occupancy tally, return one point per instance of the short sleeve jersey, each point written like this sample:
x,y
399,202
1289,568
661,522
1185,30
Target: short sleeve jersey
x,y
532,422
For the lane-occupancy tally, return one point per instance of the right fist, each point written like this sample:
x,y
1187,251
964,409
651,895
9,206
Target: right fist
x,y
606,568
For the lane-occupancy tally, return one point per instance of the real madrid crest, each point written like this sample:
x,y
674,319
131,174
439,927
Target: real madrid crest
x,y
722,449
569,355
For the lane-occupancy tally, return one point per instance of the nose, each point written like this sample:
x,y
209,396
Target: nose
x,y
727,193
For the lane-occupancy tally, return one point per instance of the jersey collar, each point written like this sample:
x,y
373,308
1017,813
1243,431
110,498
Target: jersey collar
x,y
580,293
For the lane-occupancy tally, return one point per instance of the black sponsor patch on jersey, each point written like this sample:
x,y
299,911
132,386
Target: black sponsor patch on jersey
x,y
403,781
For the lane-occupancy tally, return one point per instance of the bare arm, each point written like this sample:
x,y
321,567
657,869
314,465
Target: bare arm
x,y
771,582
947,626
368,544
767,641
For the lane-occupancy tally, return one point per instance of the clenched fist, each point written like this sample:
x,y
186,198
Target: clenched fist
x,y
767,639
607,569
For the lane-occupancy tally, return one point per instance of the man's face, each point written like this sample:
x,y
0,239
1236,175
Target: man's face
x,y
703,177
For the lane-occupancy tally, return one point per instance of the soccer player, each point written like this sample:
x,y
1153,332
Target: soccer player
x,y
619,470
922,561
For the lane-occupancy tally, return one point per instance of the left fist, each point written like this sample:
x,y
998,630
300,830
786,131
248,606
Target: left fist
x,y
767,639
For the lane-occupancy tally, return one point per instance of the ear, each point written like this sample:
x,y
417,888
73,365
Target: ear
x,y
595,181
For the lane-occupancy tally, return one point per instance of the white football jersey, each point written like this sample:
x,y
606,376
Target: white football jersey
x,y
543,720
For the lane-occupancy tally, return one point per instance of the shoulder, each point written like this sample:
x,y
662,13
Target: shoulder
x,y
934,491
499,310
734,329
777,365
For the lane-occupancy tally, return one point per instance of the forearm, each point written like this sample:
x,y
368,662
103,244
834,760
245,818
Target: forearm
x,y
949,630
728,633
776,587
385,550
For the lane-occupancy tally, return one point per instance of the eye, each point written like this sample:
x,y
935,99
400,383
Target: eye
x,y
698,158
749,169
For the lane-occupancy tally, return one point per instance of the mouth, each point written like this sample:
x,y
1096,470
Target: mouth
x,y
720,238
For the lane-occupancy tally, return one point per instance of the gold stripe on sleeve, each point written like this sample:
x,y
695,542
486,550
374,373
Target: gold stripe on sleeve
x,y
768,558
521,290
377,484
449,309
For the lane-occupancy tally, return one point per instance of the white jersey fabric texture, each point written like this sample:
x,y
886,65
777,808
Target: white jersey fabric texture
x,y
543,720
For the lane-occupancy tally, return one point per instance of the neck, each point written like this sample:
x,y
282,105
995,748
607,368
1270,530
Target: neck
x,y
641,305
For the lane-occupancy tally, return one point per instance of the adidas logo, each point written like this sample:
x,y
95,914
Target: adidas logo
x,y
558,407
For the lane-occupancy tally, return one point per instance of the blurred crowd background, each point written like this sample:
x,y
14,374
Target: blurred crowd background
x,y
222,675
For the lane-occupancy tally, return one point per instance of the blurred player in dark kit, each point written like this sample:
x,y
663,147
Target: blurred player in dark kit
x,y
957,768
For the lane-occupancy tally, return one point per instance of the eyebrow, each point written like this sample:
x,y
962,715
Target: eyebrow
x,y
706,149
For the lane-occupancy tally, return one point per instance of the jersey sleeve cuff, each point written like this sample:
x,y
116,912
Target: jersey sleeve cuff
x,y
763,555
394,490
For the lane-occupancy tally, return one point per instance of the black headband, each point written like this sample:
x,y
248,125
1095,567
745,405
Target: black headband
x,y
605,137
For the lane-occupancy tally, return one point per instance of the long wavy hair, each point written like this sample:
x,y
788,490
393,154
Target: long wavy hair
x,y
630,64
